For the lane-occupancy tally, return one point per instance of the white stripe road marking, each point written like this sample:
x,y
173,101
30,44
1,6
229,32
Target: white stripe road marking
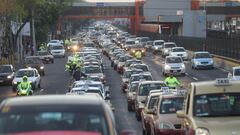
x,y
194,78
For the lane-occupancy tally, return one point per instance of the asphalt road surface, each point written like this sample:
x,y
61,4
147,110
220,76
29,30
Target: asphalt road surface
x,y
56,81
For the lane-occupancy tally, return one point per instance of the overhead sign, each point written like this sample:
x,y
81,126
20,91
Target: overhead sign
x,y
100,4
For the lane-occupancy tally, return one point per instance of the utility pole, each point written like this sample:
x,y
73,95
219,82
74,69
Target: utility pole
x,y
33,37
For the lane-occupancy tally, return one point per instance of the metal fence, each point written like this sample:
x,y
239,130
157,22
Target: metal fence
x,y
227,47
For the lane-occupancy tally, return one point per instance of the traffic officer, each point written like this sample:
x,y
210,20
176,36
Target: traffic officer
x,y
172,81
42,47
78,74
138,55
68,66
24,88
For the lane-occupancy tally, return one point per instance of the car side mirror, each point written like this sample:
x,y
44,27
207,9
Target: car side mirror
x,y
152,111
128,132
143,101
181,114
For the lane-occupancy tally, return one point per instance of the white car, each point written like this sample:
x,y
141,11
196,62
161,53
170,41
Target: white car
x,y
32,74
235,74
57,51
54,42
157,46
174,65
179,51
167,46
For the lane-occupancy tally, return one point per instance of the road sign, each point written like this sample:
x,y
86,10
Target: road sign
x,y
100,4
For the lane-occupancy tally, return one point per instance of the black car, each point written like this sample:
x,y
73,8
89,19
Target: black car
x,y
45,56
35,62
6,74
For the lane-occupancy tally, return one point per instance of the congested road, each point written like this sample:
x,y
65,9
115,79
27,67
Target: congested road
x,y
56,81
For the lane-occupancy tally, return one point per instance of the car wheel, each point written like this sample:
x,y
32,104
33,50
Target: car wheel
x,y
129,108
39,85
183,74
144,132
137,116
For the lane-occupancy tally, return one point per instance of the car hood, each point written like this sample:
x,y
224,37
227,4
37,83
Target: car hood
x,y
46,56
58,133
57,50
170,118
5,74
34,65
174,64
234,77
178,53
33,79
96,74
203,59
220,125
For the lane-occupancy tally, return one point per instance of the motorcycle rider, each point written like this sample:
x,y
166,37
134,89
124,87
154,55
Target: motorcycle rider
x,y
77,75
24,88
138,55
172,82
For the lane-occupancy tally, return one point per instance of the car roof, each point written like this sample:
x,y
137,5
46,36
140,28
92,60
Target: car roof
x,y
149,82
52,100
26,69
201,52
237,67
6,65
142,74
169,43
87,82
177,47
173,57
210,87
158,41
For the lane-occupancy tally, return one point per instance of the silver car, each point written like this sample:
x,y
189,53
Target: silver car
x,y
174,65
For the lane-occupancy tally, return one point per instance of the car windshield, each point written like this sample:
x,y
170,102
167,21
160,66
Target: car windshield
x,y
5,69
173,60
122,59
20,119
33,61
237,72
92,70
178,50
43,53
53,41
159,43
97,91
28,73
142,67
150,42
146,88
202,55
145,39
141,77
88,45
128,74
133,87
57,47
170,45
217,105
130,42
128,63
171,105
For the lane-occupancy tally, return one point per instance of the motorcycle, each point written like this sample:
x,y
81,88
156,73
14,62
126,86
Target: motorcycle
x,y
24,92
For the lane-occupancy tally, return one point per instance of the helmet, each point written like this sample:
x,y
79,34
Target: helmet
x,y
25,78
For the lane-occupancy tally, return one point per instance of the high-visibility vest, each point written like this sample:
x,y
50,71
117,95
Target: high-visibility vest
x,y
172,82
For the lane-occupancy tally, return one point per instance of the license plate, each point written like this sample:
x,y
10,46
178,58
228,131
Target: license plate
x,y
174,71
47,59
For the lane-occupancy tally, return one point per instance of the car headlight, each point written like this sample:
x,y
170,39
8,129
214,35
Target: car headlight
x,y
42,67
211,61
165,125
183,66
75,47
14,82
133,51
201,131
167,67
143,51
68,47
197,62
9,77
166,51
